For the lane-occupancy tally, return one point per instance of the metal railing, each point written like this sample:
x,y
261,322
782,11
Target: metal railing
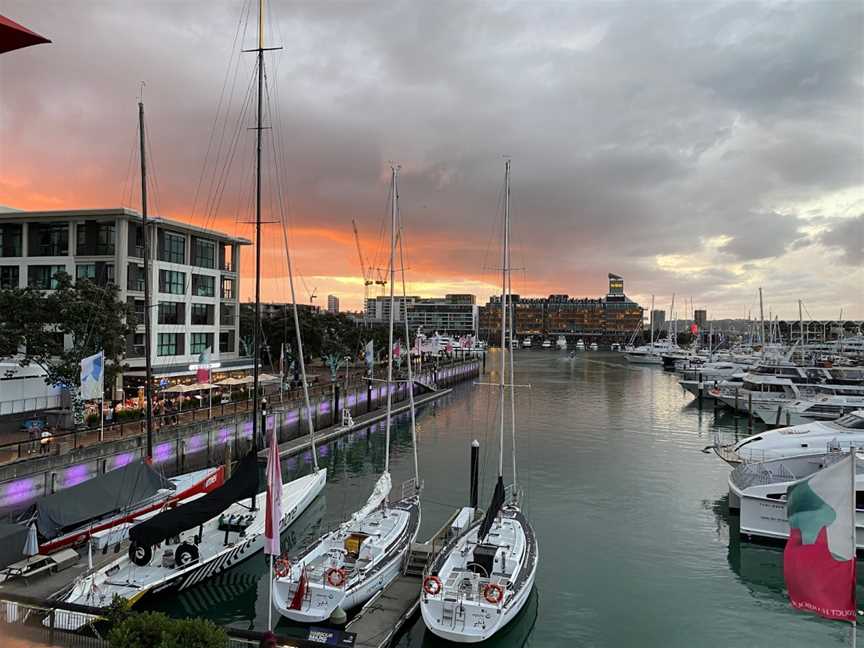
x,y
22,405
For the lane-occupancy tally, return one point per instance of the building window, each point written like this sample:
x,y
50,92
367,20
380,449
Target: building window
x,y
137,349
44,277
226,342
136,241
138,307
172,282
226,315
8,277
169,344
135,277
226,257
201,342
98,273
171,313
95,238
48,239
203,253
203,286
227,288
202,314
172,247
10,240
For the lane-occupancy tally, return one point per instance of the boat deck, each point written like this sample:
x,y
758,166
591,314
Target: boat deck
x,y
383,617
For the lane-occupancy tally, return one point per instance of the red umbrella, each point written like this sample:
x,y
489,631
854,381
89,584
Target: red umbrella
x,y
14,36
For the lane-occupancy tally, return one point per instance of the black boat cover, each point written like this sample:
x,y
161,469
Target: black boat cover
x,y
242,484
492,511
113,492
13,537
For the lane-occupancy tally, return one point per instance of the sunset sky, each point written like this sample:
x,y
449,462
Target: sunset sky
x,y
703,148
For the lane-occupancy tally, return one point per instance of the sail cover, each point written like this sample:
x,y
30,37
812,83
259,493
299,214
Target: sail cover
x,y
494,505
115,491
379,494
13,537
243,484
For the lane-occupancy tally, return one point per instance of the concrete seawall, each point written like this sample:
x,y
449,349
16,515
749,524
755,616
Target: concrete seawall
x,y
185,448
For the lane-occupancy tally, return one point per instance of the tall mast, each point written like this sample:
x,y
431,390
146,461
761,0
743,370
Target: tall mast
x,y
255,340
512,314
148,369
504,307
762,336
394,197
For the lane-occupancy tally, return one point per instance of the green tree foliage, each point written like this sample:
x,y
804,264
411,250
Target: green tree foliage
x,y
324,334
156,630
36,322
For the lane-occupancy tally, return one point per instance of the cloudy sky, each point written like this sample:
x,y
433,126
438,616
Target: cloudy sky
x,y
703,149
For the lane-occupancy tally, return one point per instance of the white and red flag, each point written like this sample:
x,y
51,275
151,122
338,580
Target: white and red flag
x,y
272,544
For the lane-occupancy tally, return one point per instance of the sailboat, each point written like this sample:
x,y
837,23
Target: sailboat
x,y
349,565
206,536
482,578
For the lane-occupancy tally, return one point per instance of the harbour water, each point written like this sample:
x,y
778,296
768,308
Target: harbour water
x,y
636,545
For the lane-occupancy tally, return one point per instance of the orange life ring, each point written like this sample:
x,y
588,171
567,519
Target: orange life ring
x,y
432,585
339,575
493,593
282,567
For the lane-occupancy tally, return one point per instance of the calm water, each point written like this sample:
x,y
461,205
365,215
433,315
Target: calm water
x,y
636,545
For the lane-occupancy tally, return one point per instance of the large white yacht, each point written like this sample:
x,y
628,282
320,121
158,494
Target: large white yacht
x,y
817,436
818,408
758,491
351,564
483,577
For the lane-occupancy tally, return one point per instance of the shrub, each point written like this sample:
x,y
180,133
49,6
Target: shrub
x,y
156,630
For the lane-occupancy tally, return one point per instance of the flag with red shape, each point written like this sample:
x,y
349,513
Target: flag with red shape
x,y
203,374
819,558
273,511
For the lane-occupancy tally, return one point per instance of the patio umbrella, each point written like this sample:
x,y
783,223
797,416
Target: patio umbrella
x,y
14,36
31,547
268,378
230,382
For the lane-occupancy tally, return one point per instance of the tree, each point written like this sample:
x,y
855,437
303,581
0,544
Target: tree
x,y
33,324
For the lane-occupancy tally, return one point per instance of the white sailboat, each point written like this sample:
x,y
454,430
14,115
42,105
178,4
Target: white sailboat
x,y
482,579
349,565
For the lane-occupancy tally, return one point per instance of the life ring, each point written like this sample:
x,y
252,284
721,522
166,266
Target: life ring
x,y
493,593
336,576
282,567
432,585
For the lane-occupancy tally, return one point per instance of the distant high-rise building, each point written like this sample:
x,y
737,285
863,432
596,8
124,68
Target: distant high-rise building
x,y
701,318
332,304
658,319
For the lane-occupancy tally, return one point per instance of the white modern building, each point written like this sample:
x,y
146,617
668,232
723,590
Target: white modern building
x,y
453,315
378,308
194,278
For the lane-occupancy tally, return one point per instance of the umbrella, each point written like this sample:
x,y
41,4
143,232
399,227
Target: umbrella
x,y
31,547
14,36
202,385
262,378
229,382
181,389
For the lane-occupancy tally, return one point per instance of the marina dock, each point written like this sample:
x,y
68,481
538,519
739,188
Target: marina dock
x,y
383,617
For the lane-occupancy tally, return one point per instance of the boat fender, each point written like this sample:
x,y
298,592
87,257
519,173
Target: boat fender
x,y
493,593
140,554
432,585
186,554
336,576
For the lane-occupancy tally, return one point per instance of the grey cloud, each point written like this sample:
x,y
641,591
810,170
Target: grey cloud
x,y
847,236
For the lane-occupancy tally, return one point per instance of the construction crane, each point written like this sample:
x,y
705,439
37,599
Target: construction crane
x,y
313,295
363,273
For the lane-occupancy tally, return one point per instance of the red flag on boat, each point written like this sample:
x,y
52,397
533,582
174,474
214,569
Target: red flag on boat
x,y
297,601
274,499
